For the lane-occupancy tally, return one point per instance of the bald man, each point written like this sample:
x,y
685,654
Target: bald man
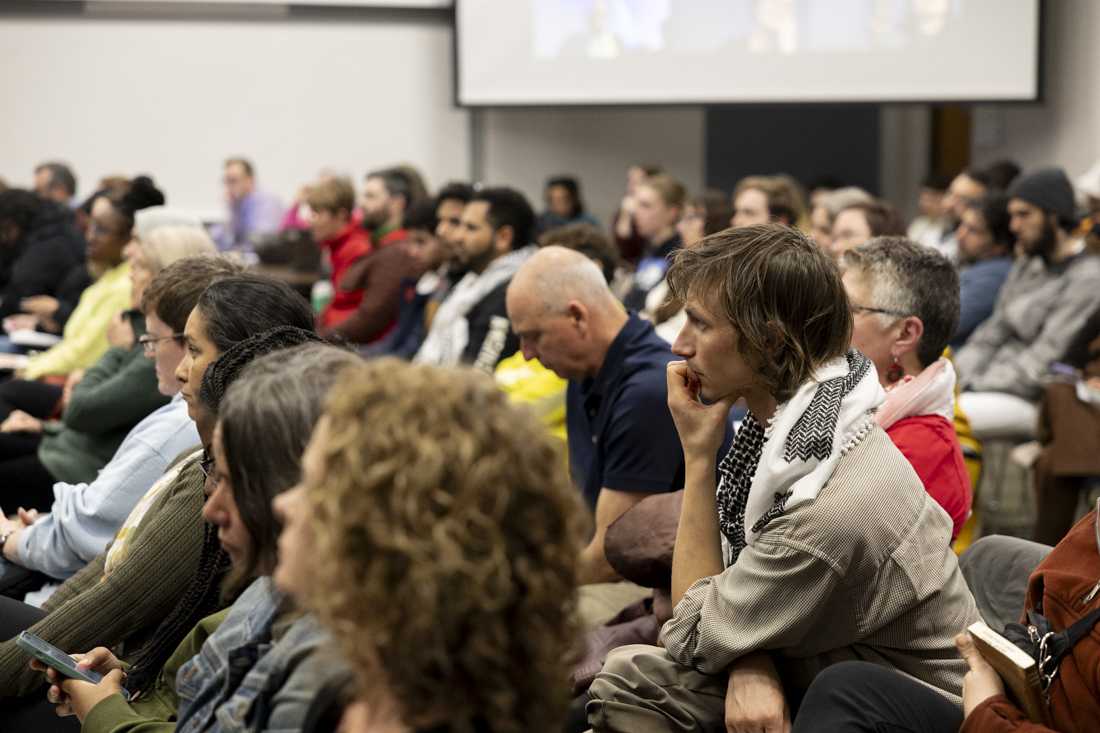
x,y
623,445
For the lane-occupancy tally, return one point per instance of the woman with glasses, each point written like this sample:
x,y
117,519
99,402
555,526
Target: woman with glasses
x,y
905,307
98,407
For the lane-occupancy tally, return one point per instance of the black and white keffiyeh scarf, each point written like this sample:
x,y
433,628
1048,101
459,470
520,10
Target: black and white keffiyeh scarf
x,y
772,468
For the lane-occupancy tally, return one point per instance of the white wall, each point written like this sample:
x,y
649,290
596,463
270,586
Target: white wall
x,y
175,95
1065,129
525,146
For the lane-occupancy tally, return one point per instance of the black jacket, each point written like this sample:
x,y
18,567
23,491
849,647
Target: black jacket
x,y
41,259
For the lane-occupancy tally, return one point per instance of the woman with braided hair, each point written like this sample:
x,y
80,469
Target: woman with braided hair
x,y
255,665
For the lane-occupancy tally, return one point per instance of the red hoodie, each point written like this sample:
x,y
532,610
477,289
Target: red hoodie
x,y
344,249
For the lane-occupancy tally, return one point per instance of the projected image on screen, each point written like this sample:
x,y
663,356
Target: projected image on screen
x,y
607,29
622,51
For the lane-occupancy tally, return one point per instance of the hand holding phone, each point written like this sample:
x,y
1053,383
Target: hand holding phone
x,y
54,658
88,667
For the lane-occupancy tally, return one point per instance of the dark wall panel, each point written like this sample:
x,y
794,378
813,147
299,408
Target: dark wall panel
x,y
806,141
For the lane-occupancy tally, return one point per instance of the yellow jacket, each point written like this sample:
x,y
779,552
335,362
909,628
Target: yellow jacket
x,y
84,339
530,383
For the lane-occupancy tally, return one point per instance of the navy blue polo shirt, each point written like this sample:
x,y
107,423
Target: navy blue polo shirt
x,y
621,434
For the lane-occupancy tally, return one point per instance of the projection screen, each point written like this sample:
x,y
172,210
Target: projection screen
x,y
590,52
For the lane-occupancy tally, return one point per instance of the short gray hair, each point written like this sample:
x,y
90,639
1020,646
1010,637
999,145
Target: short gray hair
x,y
912,279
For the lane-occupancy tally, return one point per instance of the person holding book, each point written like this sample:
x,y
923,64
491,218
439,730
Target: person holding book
x,y
1064,588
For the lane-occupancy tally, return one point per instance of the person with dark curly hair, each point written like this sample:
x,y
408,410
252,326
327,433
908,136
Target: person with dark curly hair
x,y
435,535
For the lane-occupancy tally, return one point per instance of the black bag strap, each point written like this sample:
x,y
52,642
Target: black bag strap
x,y
1069,638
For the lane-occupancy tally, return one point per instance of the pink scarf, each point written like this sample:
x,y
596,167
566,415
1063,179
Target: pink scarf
x,y
932,392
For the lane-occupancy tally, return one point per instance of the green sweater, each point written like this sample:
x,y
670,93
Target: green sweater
x,y
91,609
155,711
114,396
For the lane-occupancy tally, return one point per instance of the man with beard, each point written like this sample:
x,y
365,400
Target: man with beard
x,y
386,198
1045,301
471,325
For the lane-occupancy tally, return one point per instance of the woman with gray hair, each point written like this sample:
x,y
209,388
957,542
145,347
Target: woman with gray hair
x,y
905,307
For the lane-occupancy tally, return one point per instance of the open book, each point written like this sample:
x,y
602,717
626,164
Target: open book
x,y
1018,670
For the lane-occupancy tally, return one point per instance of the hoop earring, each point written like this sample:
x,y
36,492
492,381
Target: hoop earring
x,y
895,372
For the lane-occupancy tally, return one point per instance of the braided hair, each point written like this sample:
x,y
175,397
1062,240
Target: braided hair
x,y
224,370
203,595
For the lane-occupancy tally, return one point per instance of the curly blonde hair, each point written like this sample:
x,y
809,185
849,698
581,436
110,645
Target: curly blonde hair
x,y
448,535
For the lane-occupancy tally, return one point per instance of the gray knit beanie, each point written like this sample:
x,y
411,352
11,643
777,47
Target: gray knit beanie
x,y
1049,189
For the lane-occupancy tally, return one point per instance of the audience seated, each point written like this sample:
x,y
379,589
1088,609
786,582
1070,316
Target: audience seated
x,y
122,594
99,406
624,230
343,241
905,305
564,205
451,600
830,204
985,249
420,297
1046,299
250,211
799,576
85,517
622,443
763,199
110,229
55,181
40,244
659,201
860,222
261,661
813,518
471,325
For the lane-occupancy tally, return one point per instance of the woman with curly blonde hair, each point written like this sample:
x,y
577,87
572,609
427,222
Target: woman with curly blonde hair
x,y
435,534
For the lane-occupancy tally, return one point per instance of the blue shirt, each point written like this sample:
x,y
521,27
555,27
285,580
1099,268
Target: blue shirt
x,y
979,285
621,434
85,517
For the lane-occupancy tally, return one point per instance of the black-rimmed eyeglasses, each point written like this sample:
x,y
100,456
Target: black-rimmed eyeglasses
x,y
149,343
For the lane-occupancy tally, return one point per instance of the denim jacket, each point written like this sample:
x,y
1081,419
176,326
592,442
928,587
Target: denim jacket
x,y
243,680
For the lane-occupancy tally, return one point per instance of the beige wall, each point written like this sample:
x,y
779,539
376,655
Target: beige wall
x,y
524,146
1065,129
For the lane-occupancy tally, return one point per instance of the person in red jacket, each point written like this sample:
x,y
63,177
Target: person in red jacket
x,y
331,202
905,308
